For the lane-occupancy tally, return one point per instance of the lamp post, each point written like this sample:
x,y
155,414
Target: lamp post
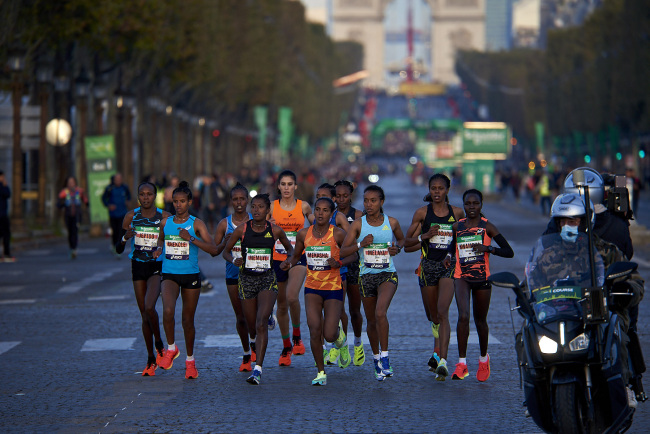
x,y
44,78
16,65
82,87
63,158
99,93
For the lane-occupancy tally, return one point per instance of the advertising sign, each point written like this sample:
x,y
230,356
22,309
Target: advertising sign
x,y
100,166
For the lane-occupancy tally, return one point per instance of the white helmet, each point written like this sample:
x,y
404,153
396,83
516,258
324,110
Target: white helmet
x,y
570,205
594,183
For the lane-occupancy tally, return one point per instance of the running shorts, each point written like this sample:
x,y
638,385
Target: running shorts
x,y
250,285
283,275
186,281
432,271
141,270
369,283
334,294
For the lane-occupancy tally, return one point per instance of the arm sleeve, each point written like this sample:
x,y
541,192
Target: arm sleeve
x,y
119,246
504,250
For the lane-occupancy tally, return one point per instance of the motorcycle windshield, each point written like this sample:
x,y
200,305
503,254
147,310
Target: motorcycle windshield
x,y
556,272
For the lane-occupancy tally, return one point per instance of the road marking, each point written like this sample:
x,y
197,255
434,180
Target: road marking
x,y
19,301
42,252
108,344
10,289
233,341
473,339
6,346
97,277
108,297
87,251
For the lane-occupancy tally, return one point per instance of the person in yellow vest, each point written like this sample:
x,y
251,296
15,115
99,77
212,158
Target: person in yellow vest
x,y
543,188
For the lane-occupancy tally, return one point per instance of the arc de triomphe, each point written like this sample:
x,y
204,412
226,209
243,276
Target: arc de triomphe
x,y
455,24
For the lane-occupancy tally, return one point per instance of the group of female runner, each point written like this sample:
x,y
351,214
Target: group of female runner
x,y
270,253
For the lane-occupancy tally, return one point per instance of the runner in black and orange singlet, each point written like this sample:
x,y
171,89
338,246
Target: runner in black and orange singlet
x,y
473,238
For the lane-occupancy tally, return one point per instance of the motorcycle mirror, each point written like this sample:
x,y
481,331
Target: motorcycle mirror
x,y
579,178
505,280
620,269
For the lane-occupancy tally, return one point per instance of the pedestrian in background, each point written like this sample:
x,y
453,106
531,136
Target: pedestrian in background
x,y
72,199
5,228
115,198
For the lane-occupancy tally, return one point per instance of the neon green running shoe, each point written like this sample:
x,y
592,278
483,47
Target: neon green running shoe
x,y
344,357
333,356
340,341
359,355
435,329
320,380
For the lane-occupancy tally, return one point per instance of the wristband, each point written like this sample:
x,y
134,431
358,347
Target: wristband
x,y
359,246
420,238
123,239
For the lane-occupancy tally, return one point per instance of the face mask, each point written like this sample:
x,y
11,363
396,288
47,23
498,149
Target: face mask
x,y
569,233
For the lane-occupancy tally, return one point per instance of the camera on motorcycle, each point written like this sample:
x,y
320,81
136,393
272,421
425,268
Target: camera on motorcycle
x,y
620,269
504,279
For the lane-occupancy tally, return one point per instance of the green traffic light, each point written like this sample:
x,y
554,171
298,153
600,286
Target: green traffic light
x,y
641,153
587,159
619,156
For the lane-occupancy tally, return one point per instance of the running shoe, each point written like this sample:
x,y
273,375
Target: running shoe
x,y
320,380
461,372
206,286
386,368
150,371
246,364
326,356
344,357
285,357
256,378
435,329
340,341
190,369
160,353
441,370
253,352
379,373
298,346
483,372
433,361
167,360
273,321
333,356
8,259
359,355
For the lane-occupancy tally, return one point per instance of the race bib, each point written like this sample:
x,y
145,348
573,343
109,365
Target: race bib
x,y
176,248
258,259
376,256
466,245
279,248
443,239
236,250
317,257
146,238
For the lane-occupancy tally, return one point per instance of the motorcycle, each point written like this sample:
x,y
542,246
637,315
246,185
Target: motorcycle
x,y
572,350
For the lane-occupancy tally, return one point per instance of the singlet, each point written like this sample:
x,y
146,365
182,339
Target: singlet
x,y
317,250
472,266
291,222
180,256
435,248
352,212
232,271
257,249
145,241
343,270
375,258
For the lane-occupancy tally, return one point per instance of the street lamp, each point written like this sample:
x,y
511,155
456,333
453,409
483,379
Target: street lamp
x,y
82,88
16,64
44,78
62,152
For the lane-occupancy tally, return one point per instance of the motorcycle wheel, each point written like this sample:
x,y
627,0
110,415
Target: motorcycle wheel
x,y
569,410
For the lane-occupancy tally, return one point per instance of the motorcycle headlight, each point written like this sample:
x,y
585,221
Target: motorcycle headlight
x,y
547,345
580,342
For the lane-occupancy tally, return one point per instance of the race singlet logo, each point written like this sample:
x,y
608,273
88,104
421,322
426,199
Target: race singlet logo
x,y
146,238
317,257
258,260
376,256
466,245
176,248
443,239
236,250
279,248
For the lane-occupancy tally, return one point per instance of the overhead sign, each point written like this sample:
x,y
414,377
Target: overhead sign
x,y
485,140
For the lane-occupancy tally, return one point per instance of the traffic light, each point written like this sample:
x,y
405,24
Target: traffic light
x,y
587,158
216,133
619,156
642,153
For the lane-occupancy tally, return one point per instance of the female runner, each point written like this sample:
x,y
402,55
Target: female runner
x,y
142,227
181,237
372,235
432,225
258,288
323,292
344,190
72,198
239,201
473,237
289,213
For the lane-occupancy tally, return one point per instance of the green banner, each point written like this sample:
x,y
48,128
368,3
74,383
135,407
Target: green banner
x,y
285,128
485,141
100,166
479,174
304,145
260,121
539,134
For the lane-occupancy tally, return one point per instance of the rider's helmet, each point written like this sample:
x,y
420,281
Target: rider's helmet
x,y
571,205
594,182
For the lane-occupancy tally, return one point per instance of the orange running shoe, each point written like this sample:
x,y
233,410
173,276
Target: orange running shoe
x,y
285,357
246,363
167,360
298,347
150,371
461,372
190,369
483,372
253,352
160,353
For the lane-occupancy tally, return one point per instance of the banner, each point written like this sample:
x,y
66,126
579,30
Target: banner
x,y
539,134
100,166
285,129
260,121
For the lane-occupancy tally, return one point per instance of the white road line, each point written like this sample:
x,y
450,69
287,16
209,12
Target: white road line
x,y
6,346
473,339
108,297
42,252
19,301
10,289
97,277
111,344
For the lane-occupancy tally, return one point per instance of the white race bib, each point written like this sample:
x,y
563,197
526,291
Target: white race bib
x,y
146,238
279,248
176,248
236,250
466,245
317,257
376,256
258,259
443,239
